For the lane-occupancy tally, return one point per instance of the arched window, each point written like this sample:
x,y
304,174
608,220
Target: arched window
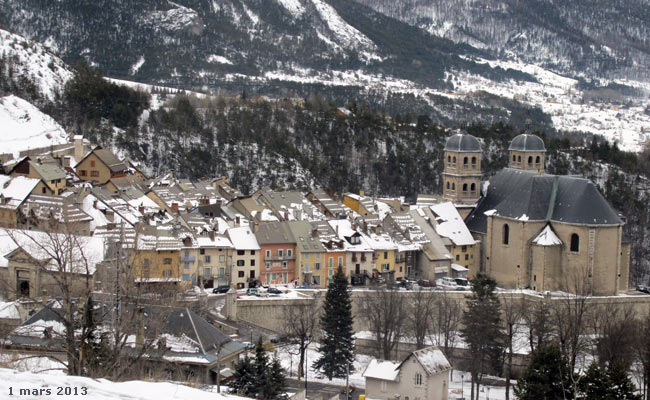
x,y
506,234
518,158
575,242
448,185
454,160
473,187
453,186
530,160
465,160
537,160
464,187
449,159
514,158
473,161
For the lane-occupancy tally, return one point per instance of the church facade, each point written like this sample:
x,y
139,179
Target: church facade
x,y
546,232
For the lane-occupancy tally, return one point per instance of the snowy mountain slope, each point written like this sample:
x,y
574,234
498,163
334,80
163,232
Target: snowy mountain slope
x,y
25,127
606,38
24,57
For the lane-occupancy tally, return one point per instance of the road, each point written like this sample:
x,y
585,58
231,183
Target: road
x,y
317,390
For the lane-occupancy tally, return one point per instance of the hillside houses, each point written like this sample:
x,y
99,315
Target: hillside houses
x,y
208,234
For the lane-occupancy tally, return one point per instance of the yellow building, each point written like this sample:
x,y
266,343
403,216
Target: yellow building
x,y
99,166
157,257
48,171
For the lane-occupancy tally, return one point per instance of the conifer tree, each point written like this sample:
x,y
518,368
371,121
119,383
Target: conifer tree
x,y
337,345
259,377
244,377
546,377
607,383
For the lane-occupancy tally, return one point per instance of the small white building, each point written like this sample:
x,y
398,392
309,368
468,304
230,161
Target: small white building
x,y
423,375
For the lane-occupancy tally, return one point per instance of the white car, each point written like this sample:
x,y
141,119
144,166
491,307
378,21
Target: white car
x,y
447,283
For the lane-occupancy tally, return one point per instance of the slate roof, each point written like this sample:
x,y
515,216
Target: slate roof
x,y
463,142
49,171
525,195
527,142
112,162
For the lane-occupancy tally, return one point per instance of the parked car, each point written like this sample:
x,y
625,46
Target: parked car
x,y
252,292
643,288
463,284
274,291
221,289
425,283
249,345
447,283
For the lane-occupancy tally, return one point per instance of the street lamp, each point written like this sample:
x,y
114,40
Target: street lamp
x,y
462,381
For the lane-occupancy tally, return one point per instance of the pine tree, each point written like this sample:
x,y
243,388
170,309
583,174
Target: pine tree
x,y
607,383
260,377
336,323
482,328
546,377
244,377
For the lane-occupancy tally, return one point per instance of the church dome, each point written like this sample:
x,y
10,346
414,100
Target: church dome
x,y
527,142
463,143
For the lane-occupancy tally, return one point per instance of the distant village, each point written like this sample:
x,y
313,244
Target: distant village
x,y
172,239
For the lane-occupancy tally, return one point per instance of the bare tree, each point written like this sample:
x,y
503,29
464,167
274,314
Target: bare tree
x,y
569,315
514,309
614,333
539,324
301,323
384,311
446,321
643,354
420,315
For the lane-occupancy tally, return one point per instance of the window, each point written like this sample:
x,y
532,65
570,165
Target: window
x,y
268,253
506,234
207,259
201,251
44,190
465,161
94,173
383,386
466,256
454,160
385,267
207,272
317,255
280,253
473,187
240,263
241,252
186,277
514,158
317,266
240,274
457,257
518,159
473,161
464,187
289,252
340,261
418,378
82,172
330,262
449,159
307,255
186,266
252,263
252,252
537,160
385,255
252,274
448,185
284,264
306,266
575,242
453,186
463,248
267,265
530,160
167,261
222,258
167,273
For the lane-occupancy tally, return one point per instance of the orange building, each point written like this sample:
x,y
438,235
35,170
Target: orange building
x,y
278,258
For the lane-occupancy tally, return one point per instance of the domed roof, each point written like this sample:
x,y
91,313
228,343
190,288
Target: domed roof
x,y
527,142
463,143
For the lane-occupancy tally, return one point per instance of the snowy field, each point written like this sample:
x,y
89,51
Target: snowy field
x,y
37,385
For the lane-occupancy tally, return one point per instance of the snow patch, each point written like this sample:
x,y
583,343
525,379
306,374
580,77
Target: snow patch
x,y
293,6
218,59
136,67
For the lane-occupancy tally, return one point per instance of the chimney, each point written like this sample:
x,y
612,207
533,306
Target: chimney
x,y
175,206
223,179
365,227
362,193
237,220
211,234
141,209
337,230
78,147
95,204
314,232
286,215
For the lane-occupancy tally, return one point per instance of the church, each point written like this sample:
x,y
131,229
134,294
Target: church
x,y
536,231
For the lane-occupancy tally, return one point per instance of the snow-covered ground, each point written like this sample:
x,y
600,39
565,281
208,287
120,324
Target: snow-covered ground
x,y
25,127
11,381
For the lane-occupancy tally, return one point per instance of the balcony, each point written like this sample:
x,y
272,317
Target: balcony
x,y
280,258
188,259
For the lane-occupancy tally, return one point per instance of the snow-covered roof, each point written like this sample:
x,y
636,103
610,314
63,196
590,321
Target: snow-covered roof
x,y
215,241
432,359
458,268
384,370
451,225
16,189
547,238
243,238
